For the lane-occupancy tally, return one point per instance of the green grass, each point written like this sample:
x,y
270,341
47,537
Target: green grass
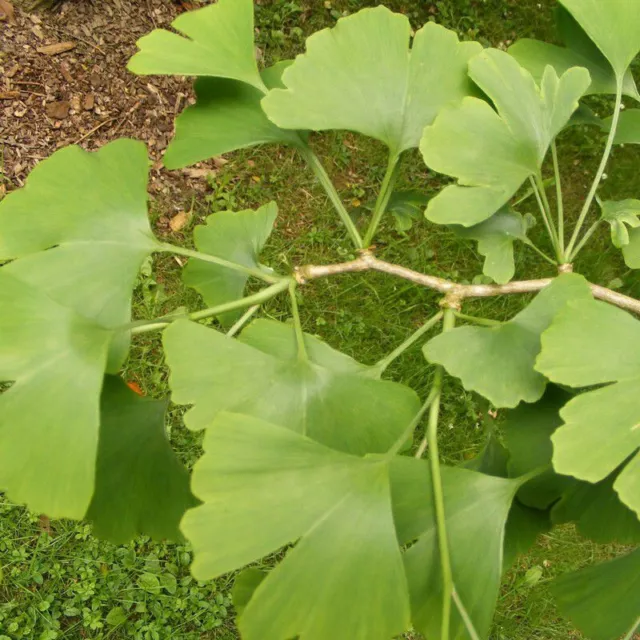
x,y
60,582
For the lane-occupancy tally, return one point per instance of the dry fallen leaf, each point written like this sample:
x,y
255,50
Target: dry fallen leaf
x,y
58,110
7,12
88,102
198,173
9,95
55,49
179,221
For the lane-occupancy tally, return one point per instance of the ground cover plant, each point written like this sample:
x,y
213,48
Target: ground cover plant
x,y
347,484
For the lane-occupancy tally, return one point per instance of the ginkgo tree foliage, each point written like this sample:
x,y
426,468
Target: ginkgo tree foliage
x,y
317,465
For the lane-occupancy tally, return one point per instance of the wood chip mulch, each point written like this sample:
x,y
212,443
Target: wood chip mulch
x,y
63,80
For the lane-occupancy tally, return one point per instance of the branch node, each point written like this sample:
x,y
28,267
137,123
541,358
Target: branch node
x,y
567,267
453,300
299,275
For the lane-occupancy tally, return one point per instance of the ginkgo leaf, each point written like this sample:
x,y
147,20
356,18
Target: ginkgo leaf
x,y
84,252
628,130
523,527
346,411
579,51
495,237
237,236
498,362
361,76
254,475
620,215
476,507
524,524
613,26
598,512
492,153
50,415
527,431
279,340
140,486
244,586
603,600
226,116
217,41
593,343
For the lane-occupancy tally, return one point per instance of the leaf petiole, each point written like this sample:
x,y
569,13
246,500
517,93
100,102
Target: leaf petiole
x,y
486,322
464,614
386,189
559,197
382,365
242,303
603,165
302,349
438,491
323,177
221,262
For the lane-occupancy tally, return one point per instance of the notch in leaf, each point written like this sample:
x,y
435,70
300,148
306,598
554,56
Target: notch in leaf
x,y
621,215
492,153
592,343
579,51
255,474
237,236
217,41
361,76
496,237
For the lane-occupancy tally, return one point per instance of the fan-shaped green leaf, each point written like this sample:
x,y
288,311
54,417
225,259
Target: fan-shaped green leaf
x,y
235,236
524,525
349,412
406,207
495,237
628,130
620,214
527,431
580,51
603,601
244,586
613,26
254,474
477,507
217,41
498,362
140,486
82,251
598,512
49,417
492,154
361,76
278,339
592,343
227,116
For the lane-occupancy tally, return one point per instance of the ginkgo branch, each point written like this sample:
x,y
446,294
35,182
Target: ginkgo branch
x,y
368,262
256,299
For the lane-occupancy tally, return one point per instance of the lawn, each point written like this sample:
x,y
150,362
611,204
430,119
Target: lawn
x,y
58,581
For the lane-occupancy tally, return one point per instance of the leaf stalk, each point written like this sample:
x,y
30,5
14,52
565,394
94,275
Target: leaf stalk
x,y
600,173
386,189
256,299
323,178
